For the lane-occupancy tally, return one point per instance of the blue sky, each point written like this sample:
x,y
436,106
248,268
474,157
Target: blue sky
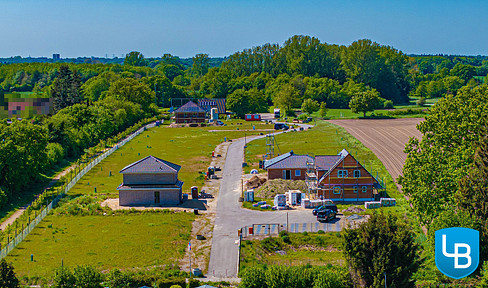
x,y
219,28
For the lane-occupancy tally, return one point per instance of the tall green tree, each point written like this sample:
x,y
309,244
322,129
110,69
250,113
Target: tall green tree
x,y
309,106
364,102
287,98
135,58
8,279
65,90
200,65
436,163
383,245
238,102
132,90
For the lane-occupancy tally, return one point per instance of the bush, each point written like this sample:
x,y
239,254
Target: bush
x,y
3,197
303,116
169,282
283,233
87,277
253,277
420,102
388,104
286,239
7,275
63,278
271,244
118,279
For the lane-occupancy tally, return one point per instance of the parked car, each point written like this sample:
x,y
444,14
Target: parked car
x,y
326,215
281,126
219,123
332,207
309,119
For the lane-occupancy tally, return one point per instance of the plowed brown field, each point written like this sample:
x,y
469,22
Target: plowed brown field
x,y
385,137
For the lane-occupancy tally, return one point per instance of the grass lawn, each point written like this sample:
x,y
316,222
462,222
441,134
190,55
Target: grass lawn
x,y
298,249
248,205
190,148
325,139
120,241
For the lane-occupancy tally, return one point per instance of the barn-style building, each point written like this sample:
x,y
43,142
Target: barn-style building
x,y
190,113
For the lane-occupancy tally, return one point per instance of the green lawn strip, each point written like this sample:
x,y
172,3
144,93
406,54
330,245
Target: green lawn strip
x,y
248,205
327,139
117,241
190,148
293,250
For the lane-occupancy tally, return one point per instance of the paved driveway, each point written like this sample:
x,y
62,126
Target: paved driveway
x,y
230,216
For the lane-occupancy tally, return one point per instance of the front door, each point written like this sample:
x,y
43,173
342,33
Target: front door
x,y
156,197
286,174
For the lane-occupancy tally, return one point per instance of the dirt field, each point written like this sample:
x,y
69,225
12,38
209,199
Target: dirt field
x,y
386,138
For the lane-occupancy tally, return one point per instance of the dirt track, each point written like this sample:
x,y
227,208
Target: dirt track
x,y
386,138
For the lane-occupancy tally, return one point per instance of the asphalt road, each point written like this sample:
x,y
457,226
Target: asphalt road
x,y
230,216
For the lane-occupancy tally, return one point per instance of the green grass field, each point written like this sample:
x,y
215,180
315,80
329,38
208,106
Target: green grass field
x,y
299,248
190,148
120,241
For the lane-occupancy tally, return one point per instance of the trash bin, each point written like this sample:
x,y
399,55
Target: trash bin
x,y
194,192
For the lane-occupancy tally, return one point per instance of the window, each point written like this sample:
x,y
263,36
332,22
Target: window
x,y
297,173
365,189
357,173
356,189
342,173
337,190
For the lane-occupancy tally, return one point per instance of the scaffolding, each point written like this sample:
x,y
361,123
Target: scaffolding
x,y
311,178
270,146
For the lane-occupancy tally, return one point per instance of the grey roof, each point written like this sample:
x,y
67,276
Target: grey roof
x,y
270,162
151,164
292,161
123,186
325,162
189,107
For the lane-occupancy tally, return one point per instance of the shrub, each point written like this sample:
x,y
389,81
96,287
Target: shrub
x,y
321,232
270,244
388,104
169,282
283,233
63,278
7,275
253,277
118,279
286,239
87,277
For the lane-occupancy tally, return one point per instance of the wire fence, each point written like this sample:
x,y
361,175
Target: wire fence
x,y
18,238
275,229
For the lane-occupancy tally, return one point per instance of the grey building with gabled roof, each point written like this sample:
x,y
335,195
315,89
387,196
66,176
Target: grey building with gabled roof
x,y
150,182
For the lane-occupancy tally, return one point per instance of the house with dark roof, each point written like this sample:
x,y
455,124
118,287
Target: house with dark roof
x,y
288,166
337,177
150,181
190,113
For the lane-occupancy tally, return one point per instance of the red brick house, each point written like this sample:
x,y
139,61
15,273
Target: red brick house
x,y
190,113
337,177
287,166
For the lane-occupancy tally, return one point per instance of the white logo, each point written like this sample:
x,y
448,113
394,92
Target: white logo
x,y
456,255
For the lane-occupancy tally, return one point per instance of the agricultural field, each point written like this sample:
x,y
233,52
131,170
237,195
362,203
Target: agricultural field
x,y
386,138
293,249
130,240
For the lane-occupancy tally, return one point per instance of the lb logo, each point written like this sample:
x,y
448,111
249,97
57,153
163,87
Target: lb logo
x,y
457,251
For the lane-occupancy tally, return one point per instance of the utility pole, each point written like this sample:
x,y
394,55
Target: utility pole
x,y
287,230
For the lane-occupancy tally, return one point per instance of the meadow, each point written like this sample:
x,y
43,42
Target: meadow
x,y
191,148
130,240
293,249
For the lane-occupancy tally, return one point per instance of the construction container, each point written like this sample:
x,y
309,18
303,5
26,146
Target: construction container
x,y
249,196
280,200
372,205
388,202
194,192
293,197
251,230
305,203
214,114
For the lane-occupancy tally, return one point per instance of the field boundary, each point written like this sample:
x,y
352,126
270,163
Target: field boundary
x,y
63,190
